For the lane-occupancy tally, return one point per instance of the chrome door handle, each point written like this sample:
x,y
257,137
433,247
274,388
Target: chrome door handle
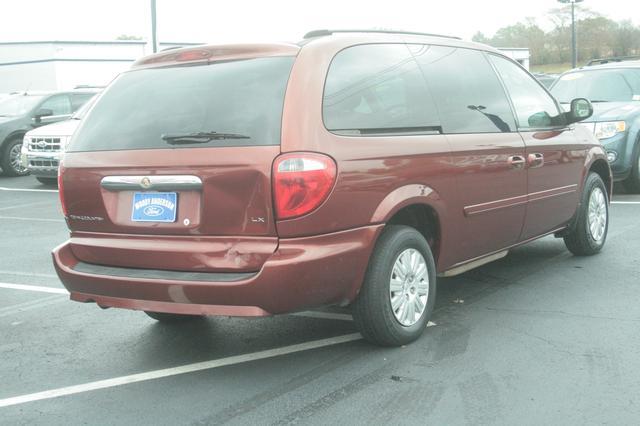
x,y
535,160
516,161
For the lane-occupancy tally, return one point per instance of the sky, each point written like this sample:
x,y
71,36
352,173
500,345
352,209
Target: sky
x,y
244,21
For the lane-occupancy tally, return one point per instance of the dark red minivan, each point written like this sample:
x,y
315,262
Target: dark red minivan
x,y
351,168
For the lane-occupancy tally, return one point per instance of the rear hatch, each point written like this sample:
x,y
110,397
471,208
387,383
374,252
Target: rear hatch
x,y
171,169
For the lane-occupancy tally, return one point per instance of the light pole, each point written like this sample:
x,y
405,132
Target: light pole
x,y
154,40
574,49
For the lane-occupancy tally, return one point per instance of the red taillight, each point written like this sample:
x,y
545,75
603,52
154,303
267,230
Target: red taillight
x,y
61,189
301,182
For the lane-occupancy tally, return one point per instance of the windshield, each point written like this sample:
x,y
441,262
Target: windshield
x,y
243,97
605,85
18,105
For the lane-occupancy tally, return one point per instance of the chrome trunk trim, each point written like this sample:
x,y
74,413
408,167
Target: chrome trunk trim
x,y
152,183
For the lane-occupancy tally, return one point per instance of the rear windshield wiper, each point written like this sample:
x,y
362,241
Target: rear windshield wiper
x,y
199,137
597,100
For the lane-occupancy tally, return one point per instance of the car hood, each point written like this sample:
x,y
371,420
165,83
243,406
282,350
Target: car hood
x,y
614,111
4,120
62,128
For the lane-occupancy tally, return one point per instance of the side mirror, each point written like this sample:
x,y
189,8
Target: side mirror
x,y
581,109
42,112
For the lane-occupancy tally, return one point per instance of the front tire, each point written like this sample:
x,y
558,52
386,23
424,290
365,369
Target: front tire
x,y
399,290
47,181
589,232
172,318
10,161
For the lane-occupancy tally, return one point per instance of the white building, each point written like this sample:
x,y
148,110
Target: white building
x,y
520,54
62,65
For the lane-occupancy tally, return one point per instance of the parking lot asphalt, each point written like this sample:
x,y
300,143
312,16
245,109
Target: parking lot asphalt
x,y
538,337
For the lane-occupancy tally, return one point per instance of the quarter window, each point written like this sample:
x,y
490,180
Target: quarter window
x,y
377,89
535,108
468,93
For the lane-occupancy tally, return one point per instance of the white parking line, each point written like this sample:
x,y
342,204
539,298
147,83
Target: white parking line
x,y
2,188
40,219
27,274
625,202
38,303
37,288
174,371
20,206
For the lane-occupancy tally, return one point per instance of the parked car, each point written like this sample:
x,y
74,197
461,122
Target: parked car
x,y
43,147
351,168
613,86
22,112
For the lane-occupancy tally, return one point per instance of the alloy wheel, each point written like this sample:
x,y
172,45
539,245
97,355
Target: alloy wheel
x,y
409,287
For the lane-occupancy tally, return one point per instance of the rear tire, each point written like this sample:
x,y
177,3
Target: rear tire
x,y
632,183
10,160
399,289
172,318
47,181
589,232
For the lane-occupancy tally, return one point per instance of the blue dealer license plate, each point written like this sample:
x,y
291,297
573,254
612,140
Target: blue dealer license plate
x,y
154,207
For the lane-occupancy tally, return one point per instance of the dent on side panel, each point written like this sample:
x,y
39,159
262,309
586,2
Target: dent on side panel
x,y
405,196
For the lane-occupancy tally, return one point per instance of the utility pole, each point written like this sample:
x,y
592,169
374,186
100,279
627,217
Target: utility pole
x,y
574,42
154,39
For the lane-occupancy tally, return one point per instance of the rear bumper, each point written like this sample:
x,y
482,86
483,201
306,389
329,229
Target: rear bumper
x,y
302,273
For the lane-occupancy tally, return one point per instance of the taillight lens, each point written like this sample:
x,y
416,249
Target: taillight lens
x,y
61,189
301,182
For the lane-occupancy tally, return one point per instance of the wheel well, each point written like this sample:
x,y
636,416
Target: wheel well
x,y
424,219
12,136
602,168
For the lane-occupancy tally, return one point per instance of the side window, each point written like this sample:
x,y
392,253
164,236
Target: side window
x,y
377,89
534,106
79,99
59,104
468,93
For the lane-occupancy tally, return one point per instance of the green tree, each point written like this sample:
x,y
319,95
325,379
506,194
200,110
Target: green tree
x,y
597,37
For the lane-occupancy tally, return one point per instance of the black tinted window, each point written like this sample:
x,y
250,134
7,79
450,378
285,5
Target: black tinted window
x,y
468,93
534,107
377,89
243,97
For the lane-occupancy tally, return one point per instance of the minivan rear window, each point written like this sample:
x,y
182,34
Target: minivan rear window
x,y
149,108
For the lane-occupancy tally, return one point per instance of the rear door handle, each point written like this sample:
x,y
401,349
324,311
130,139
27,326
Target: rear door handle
x,y
535,160
516,161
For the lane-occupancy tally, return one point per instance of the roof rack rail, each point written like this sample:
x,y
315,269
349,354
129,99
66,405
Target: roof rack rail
x,y
612,59
323,33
